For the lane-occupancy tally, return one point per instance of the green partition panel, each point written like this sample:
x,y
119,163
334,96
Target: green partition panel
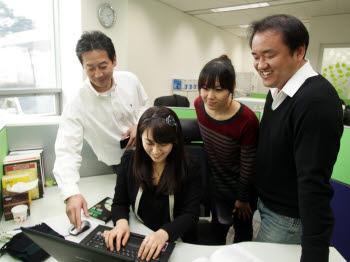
x,y
3,153
347,102
185,112
191,113
258,114
341,170
256,95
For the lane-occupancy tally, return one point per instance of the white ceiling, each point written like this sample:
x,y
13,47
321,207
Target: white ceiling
x,y
231,21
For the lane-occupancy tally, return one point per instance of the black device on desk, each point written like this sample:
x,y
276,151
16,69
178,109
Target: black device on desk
x,y
92,247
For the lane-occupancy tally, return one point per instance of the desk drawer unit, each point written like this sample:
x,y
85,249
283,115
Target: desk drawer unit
x,y
13,199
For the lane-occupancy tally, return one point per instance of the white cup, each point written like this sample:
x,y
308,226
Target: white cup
x,y
20,213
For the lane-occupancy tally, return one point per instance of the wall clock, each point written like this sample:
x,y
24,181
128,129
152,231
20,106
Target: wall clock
x,y
106,15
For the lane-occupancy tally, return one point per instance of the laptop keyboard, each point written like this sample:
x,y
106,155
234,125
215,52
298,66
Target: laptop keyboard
x,y
129,251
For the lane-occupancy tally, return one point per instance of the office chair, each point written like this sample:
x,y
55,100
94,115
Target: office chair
x,y
173,100
191,133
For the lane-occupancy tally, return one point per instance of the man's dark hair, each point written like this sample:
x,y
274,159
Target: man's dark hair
x,y
294,31
94,40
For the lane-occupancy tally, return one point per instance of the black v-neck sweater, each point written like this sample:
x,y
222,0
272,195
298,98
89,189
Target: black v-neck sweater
x,y
298,146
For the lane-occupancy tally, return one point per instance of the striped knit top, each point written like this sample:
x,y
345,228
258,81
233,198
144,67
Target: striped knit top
x,y
231,148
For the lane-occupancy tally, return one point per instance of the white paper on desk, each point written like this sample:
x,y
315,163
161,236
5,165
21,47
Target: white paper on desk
x,y
202,259
61,225
230,253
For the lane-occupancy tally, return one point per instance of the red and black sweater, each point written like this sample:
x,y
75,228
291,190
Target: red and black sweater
x,y
231,150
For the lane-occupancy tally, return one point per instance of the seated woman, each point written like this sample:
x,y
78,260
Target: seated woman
x,y
160,183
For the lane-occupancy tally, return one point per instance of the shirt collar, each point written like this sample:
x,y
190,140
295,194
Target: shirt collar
x,y
107,93
296,81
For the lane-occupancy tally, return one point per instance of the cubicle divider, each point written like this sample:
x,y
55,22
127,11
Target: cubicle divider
x,y
341,170
340,205
347,102
186,113
256,95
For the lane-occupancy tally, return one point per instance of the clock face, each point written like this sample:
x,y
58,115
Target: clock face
x,y
106,15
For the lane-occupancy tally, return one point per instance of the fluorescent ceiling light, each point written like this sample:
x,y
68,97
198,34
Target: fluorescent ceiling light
x,y
240,7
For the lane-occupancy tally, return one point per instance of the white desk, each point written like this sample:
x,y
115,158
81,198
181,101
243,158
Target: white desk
x,y
97,187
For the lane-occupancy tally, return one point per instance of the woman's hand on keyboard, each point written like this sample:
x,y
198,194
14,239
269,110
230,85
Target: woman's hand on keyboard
x,y
153,244
120,232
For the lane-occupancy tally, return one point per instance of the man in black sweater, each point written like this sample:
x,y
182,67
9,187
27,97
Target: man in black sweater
x,y
299,140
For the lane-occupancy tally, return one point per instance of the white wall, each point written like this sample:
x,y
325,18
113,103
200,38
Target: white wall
x,y
118,32
327,30
165,43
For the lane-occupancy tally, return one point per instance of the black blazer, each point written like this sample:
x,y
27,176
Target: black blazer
x,y
153,208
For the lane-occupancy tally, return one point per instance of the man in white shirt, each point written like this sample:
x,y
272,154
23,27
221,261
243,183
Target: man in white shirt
x,y
105,110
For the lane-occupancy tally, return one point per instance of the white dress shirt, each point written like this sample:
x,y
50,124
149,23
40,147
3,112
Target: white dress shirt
x,y
102,119
292,85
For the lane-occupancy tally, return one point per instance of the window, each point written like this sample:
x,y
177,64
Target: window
x,y
335,67
29,75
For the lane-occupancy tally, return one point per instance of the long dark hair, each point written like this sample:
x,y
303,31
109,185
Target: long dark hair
x,y
222,68
166,128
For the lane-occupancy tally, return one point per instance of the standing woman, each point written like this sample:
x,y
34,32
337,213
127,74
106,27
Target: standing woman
x,y
229,131
159,182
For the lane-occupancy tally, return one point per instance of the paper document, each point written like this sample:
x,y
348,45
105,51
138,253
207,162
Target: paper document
x,y
61,225
230,253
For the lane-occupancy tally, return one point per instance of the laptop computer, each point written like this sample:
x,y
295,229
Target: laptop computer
x,y
92,247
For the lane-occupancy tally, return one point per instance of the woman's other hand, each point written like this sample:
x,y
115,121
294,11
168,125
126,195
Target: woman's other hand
x,y
153,244
121,232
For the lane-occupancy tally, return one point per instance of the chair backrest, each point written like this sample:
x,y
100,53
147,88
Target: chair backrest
x,y
173,100
191,134
190,130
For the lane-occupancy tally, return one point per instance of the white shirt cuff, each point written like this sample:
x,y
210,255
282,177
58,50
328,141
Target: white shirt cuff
x,y
69,190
